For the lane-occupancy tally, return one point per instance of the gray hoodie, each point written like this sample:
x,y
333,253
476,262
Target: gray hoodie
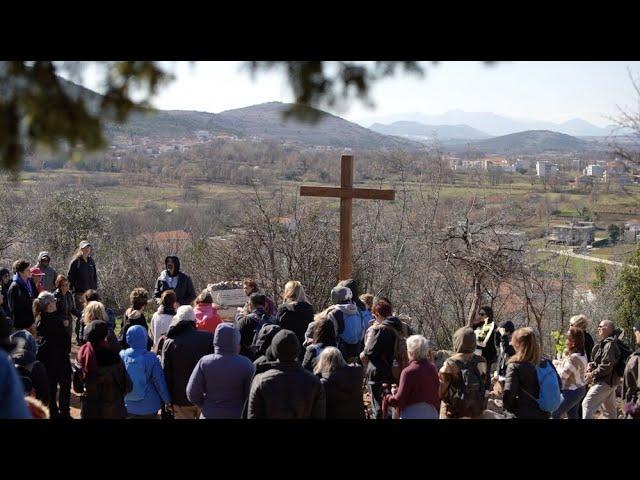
x,y
49,279
220,382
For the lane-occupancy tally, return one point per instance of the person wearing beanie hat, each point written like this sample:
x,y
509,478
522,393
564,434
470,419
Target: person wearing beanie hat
x,y
631,380
451,378
50,275
31,371
221,381
183,347
54,352
348,322
286,390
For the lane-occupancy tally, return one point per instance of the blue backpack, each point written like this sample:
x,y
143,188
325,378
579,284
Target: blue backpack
x,y
353,329
550,396
135,367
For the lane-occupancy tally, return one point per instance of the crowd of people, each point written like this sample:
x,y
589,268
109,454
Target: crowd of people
x,y
355,359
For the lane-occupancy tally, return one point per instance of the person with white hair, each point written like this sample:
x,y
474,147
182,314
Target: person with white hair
x,y
417,395
183,347
342,385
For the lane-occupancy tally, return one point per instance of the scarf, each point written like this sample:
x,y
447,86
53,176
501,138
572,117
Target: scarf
x,y
20,281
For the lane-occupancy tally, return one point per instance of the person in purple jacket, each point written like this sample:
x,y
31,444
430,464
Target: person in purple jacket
x,y
220,382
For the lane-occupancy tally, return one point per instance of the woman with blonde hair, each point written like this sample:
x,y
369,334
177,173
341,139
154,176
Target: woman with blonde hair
x,y
417,395
342,384
572,370
521,389
295,313
582,322
95,311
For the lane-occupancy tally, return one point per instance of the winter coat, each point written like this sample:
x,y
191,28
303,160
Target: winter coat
x,y
20,302
32,372
12,403
247,325
605,355
220,382
418,383
522,376
50,275
83,275
506,352
312,355
286,391
181,351
160,325
133,317
105,388
381,351
66,306
207,318
155,390
55,343
588,345
343,393
182,284
295,316
631,386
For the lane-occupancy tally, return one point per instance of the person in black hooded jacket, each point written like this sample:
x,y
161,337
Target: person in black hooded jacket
x,y
5,283
173,279
263,346
342,385
54,352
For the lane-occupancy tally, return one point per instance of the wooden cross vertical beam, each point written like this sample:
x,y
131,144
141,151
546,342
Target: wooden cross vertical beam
x,y
346,183
346,193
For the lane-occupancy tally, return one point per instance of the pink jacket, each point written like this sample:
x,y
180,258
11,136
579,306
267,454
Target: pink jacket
x,y
207,317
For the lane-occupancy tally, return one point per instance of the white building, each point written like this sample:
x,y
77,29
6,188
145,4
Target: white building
x,y
594,170
546,169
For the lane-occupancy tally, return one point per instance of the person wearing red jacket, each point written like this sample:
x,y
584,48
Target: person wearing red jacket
x,y
417,394
207,318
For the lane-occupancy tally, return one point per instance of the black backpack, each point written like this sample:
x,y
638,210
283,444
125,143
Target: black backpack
x,y
466,393
625,353
265,319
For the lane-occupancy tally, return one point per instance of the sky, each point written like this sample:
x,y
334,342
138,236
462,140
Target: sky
x,y
551,91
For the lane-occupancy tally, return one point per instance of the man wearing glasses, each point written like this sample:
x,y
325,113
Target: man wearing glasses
x,y
601,374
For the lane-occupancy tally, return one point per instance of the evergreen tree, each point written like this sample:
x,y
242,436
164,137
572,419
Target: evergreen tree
x,y
628,309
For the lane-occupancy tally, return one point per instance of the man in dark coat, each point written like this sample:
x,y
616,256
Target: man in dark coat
x,y
286,390
173,279
181,351
83,274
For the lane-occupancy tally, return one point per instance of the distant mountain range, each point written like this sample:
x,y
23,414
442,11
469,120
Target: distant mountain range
x,y
421,131
493,124
529,142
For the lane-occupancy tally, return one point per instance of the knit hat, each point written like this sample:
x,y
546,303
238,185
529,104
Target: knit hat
x,y
185,313
45,299
41,255
508,326
340,295
285,346
464,340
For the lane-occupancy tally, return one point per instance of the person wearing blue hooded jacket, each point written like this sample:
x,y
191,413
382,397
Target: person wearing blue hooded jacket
x,y
150,390
220,382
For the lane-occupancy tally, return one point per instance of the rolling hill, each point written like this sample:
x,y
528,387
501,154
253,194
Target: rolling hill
x,y
529,142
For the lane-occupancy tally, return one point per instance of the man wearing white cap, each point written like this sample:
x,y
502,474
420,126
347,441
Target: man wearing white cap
x,y
83,274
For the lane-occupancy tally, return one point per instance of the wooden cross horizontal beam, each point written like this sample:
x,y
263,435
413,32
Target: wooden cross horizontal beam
x,y
365,193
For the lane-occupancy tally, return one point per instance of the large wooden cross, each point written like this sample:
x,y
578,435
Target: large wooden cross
x,y
346,193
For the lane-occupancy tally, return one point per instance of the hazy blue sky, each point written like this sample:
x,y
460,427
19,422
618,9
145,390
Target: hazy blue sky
x,y
552,91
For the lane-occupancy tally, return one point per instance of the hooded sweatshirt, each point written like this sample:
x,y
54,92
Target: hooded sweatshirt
x,y
343,310
49,279
464,345
178,282
220,382
182,350
155,386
